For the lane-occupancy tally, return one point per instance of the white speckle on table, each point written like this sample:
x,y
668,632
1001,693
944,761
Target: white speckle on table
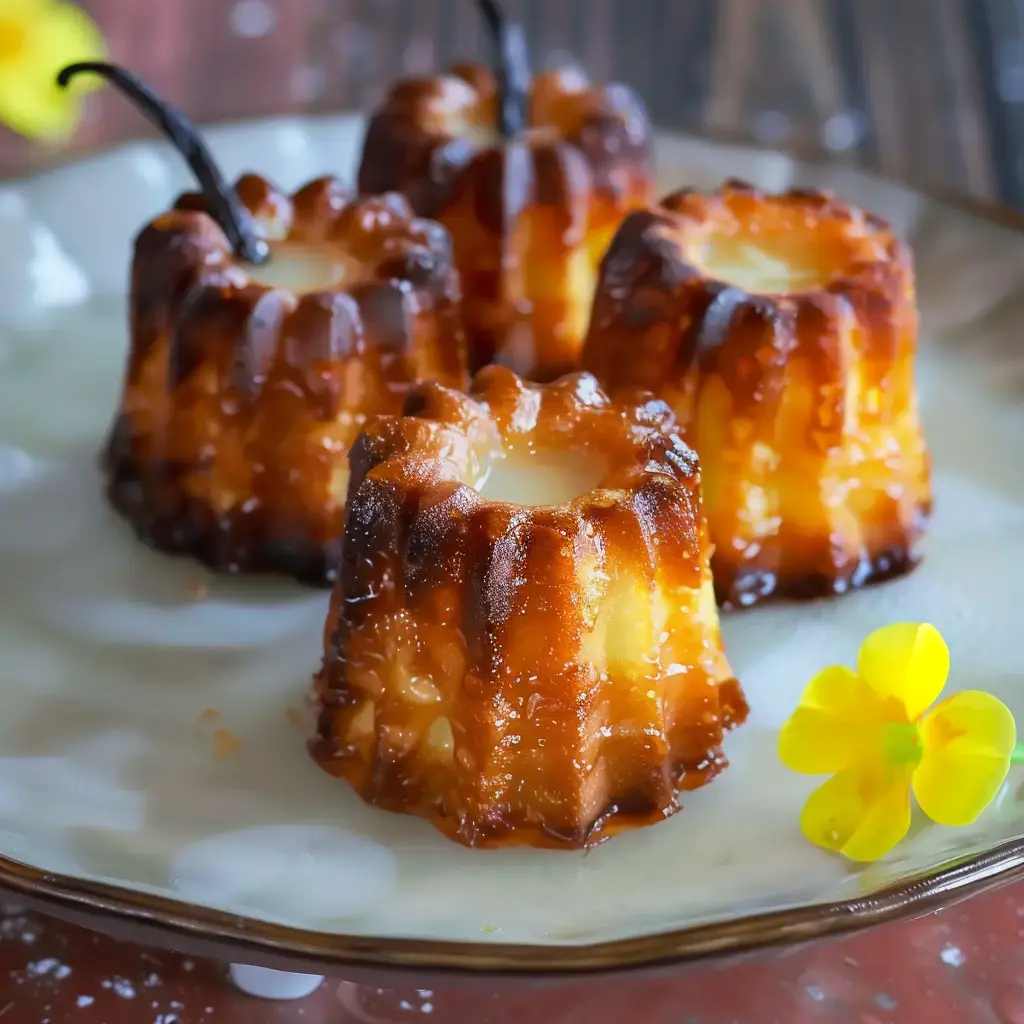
x,y
13,924
816,992
83,1001
252,19
122,987
152,980
41,967
953,956
47,969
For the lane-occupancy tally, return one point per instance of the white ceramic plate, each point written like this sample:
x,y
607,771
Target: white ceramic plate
x,y
111,670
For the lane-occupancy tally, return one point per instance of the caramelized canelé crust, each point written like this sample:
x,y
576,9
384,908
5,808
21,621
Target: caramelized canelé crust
x,y
530,216
782,331
241,399
540,675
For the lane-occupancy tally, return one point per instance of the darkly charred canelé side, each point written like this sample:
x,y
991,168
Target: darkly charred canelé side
x,y
540,675
530,215
241,399
782,331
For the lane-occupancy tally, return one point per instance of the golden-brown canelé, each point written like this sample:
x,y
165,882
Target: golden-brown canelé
x,y
247,384
529,216
523,644
782,331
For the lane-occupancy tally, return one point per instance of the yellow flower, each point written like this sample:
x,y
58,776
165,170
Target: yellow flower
x,y
37,38
873,732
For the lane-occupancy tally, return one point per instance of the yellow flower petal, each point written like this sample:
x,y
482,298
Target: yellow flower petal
x,y
34,113
67,34
31,102
967,741
906,664
22,8
837,723
862,812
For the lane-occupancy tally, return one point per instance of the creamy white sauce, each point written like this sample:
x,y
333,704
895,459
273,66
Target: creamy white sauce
x,y
542,478
756,269
302,268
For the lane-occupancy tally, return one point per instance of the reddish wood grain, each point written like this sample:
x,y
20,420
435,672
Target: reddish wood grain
x,y
961,965
882,81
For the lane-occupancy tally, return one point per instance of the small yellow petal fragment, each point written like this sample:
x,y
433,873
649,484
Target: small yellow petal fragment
x,y
905,664
838,722
862,812
967,741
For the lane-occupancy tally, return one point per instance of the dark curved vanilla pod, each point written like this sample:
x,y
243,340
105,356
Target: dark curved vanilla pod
x,y
512,68
221,198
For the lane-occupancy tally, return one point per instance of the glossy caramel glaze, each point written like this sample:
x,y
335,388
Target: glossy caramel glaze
x,y
241,400
541,675
800,401
531,216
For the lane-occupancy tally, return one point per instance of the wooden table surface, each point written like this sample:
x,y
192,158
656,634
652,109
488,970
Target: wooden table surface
x,y
930,90
964,965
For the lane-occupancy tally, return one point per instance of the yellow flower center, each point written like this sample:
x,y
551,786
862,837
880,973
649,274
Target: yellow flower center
x,y
902,743
13,37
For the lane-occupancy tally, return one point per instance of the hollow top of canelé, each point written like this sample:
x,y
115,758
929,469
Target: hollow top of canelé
x,y
322,238
794,243
517,443
464,103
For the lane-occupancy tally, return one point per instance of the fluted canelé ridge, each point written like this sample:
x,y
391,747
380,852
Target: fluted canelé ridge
x,y
530,214
246,384
782,330
523,644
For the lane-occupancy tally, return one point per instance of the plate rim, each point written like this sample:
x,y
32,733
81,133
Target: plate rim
x,y
150,918
156,919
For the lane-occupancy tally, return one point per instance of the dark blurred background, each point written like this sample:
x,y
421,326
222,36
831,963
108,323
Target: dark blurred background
x,y
928,90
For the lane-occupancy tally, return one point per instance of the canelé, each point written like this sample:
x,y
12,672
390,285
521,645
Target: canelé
x,y
782,330
247,384
531,212
523,644
264,329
